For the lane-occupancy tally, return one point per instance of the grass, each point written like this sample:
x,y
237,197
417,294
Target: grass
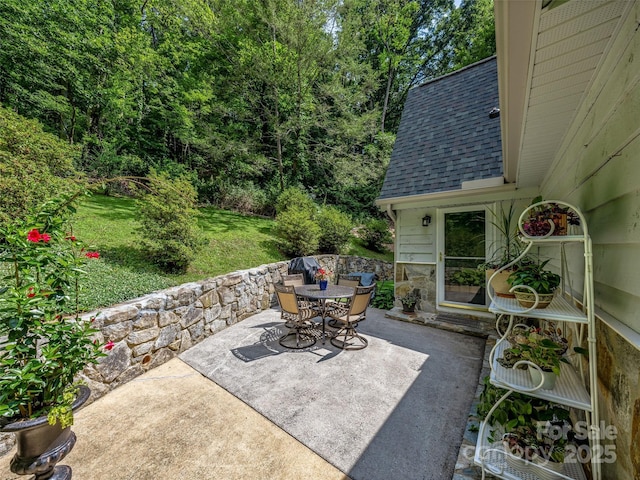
x,y
231,241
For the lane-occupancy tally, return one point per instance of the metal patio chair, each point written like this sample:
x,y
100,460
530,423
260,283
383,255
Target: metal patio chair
x,y
347,316
297,318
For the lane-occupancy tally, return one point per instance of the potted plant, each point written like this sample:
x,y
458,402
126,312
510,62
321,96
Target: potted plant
x,y
322,276
531,447
532,430
530,278
45,343
538,349
410,300
549,219
505,250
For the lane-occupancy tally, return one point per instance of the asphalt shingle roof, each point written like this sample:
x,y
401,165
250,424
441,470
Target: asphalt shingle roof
x,y
445,135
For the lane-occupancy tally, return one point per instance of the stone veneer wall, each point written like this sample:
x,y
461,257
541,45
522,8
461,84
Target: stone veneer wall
x,y
411,276
150,330
619,399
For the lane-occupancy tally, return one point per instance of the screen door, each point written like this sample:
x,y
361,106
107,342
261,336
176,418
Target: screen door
x,y
464,251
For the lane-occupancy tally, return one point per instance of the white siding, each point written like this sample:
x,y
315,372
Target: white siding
x,y
414,242
598,169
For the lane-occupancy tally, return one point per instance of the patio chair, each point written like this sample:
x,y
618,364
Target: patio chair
x,y
347,316
294,279
349,280
297,319
344,280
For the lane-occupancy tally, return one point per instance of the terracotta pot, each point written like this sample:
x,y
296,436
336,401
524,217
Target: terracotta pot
x,y
41,446
499,283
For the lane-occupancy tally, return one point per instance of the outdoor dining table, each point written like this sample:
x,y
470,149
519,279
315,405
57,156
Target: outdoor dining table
x,y
332,292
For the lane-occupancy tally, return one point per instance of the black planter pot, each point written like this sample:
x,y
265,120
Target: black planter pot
x,y
41,446
408,308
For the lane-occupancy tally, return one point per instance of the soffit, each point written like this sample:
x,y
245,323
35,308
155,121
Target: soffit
x,y
570,43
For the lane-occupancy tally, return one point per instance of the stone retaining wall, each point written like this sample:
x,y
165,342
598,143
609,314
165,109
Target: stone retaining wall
x,y
150,330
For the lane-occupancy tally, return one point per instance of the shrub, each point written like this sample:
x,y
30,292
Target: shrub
x,y
293,197
375,234
335,227
33,165
168,222
298,235
245,198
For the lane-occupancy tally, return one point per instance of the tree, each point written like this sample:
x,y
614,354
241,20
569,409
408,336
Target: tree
x,y
247,97
474,37
168,222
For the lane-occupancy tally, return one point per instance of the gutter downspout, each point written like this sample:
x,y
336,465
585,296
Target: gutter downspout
x,y
393,217
391,213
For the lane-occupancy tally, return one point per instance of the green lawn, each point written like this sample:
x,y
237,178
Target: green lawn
x,y
232,241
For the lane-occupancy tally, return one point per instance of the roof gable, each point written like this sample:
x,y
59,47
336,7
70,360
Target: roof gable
x,y
445,135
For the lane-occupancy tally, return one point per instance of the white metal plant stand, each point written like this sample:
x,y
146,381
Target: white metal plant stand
x,y
571,387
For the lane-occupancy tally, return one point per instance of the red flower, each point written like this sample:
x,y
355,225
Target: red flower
x,y
31,294
92,254
323,274
33,235
70,237
109,345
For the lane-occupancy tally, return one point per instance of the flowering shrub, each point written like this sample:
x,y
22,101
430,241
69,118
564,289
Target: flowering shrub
x,y
323,274
43,341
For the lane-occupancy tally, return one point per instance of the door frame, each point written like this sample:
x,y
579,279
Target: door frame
x,y
488,232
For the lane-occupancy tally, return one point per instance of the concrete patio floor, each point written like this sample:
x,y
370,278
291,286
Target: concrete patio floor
x,y
174,423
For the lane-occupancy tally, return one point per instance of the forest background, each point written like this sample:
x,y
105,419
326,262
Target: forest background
x,y
243,97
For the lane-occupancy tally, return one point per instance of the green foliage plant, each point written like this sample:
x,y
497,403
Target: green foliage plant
x,y
410,300
375,235
168,222
33,165
296,227
46,342
242,197
336,229
294,197
384,296
538,348
515,413
298,234
507,247
535,276
468,276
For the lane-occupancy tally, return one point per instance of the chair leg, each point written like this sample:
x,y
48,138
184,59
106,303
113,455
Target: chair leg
x,y
302,340
348,339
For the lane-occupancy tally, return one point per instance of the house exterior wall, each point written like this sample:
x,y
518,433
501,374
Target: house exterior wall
x,y
415,243
417,248
597,168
